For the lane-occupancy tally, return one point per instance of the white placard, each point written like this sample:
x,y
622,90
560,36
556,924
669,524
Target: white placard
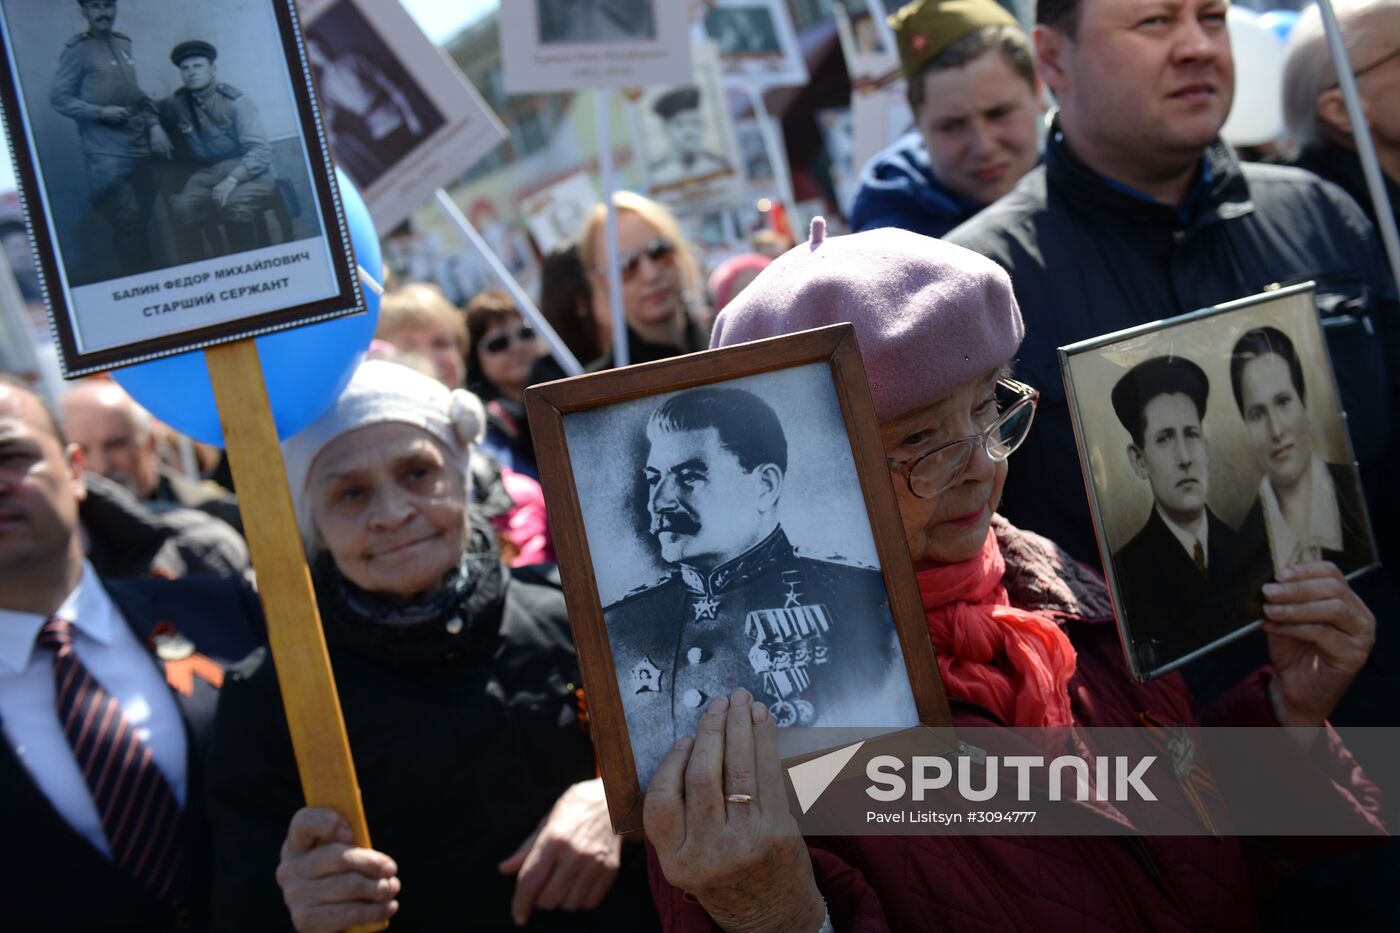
x,y
688,149
878,118
566,45
173,175
402,119
756,43
558,212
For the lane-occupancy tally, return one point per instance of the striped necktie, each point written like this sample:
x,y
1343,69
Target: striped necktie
x,y
140,815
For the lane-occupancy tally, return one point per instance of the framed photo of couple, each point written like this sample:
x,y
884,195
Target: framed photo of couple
x,y
724,520
1215,452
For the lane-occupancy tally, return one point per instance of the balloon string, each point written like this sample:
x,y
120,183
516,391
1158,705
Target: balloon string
x,y
368,281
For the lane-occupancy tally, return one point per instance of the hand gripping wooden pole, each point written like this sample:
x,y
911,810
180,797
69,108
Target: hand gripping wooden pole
x,y
284,584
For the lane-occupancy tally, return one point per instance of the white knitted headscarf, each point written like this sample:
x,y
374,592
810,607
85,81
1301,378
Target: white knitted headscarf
x,y
381,392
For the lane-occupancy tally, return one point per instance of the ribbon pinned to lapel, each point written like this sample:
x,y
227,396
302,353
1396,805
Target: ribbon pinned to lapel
x,y
1174,745
182,662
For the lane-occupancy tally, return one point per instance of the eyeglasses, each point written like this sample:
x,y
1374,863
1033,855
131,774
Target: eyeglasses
x,y
936,470
1358,72
661,252
502,341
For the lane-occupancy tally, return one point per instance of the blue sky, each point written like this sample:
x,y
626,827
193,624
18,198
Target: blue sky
x,y
440,19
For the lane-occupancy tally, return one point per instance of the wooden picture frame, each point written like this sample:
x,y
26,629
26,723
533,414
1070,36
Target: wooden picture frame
x,y
577,425
135,261
1228,369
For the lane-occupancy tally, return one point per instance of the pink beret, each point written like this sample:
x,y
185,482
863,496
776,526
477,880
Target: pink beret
x,y
727,273
929,315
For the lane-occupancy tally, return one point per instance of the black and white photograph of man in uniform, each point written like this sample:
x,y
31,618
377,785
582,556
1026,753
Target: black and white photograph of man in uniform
x,y
688,147
595,20
375,110
162,130
737,577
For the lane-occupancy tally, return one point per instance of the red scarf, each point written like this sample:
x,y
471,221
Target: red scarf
x,y
1013,662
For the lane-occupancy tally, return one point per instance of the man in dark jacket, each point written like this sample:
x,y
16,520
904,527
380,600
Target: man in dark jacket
x,y
1140,213
1316,113
148,655
1175,576
976,103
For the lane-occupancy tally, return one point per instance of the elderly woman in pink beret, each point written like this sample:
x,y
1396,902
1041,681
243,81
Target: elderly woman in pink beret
x,y
1024,638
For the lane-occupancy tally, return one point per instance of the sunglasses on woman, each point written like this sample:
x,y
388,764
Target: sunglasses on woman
x,y
502,341
661,252
936,470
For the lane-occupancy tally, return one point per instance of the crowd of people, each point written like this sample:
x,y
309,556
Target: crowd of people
x,y
147,772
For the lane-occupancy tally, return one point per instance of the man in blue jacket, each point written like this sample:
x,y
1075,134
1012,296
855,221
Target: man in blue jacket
x,y
975,97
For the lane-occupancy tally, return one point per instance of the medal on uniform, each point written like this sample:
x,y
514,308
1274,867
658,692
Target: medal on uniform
x,y
788,642
182,662
646,677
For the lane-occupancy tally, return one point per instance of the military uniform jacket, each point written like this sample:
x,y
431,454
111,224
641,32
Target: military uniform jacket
x,y
98,71
809,638
218,124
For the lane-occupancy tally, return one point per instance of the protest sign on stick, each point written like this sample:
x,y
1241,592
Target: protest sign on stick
x,y
562,354
186,245
402,119
157,232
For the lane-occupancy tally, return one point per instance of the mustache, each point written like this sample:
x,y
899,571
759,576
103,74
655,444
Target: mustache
x,y
680,523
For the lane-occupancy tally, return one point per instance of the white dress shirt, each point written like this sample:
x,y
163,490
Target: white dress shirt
x,y
1285,544
124,667
1190,537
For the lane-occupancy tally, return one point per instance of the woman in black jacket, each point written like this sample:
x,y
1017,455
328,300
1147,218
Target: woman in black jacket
x,y
459,688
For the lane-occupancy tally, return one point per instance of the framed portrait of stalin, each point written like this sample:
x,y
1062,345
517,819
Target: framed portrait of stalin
x,y
1216,453
724,520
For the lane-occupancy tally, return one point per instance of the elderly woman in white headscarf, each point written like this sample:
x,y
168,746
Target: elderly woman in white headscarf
x,y
458,684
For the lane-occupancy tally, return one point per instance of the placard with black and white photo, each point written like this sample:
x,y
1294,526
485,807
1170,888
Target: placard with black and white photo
x,y
402,118
1216,454
688,146
756,42
173,174
566,45
723,524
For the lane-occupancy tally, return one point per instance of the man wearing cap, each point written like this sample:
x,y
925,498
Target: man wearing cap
x,y
975,97
1174,575
218,129
679,110
742,607
117,128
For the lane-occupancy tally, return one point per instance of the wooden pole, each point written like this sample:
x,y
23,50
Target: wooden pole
x,y
284,585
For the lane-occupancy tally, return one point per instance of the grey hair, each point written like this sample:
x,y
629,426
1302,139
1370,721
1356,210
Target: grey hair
x,y
1307,66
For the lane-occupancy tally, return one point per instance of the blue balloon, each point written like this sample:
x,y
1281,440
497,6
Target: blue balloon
x,y
305,368
1281,22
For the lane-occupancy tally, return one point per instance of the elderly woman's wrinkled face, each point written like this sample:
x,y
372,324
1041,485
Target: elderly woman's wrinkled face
x,y
390,506
951,526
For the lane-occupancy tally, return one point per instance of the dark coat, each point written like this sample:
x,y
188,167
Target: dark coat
x,y
898,189
55,879
1088,258
1356,552
127,537
1055,883
802,635
1343,169
1171,609
462,744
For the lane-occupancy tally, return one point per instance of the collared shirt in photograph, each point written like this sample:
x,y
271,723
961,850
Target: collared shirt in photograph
x,y
1190,538
120,663
1325,519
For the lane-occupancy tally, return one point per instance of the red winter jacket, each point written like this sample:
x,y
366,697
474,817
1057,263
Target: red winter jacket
x,y
1088,884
